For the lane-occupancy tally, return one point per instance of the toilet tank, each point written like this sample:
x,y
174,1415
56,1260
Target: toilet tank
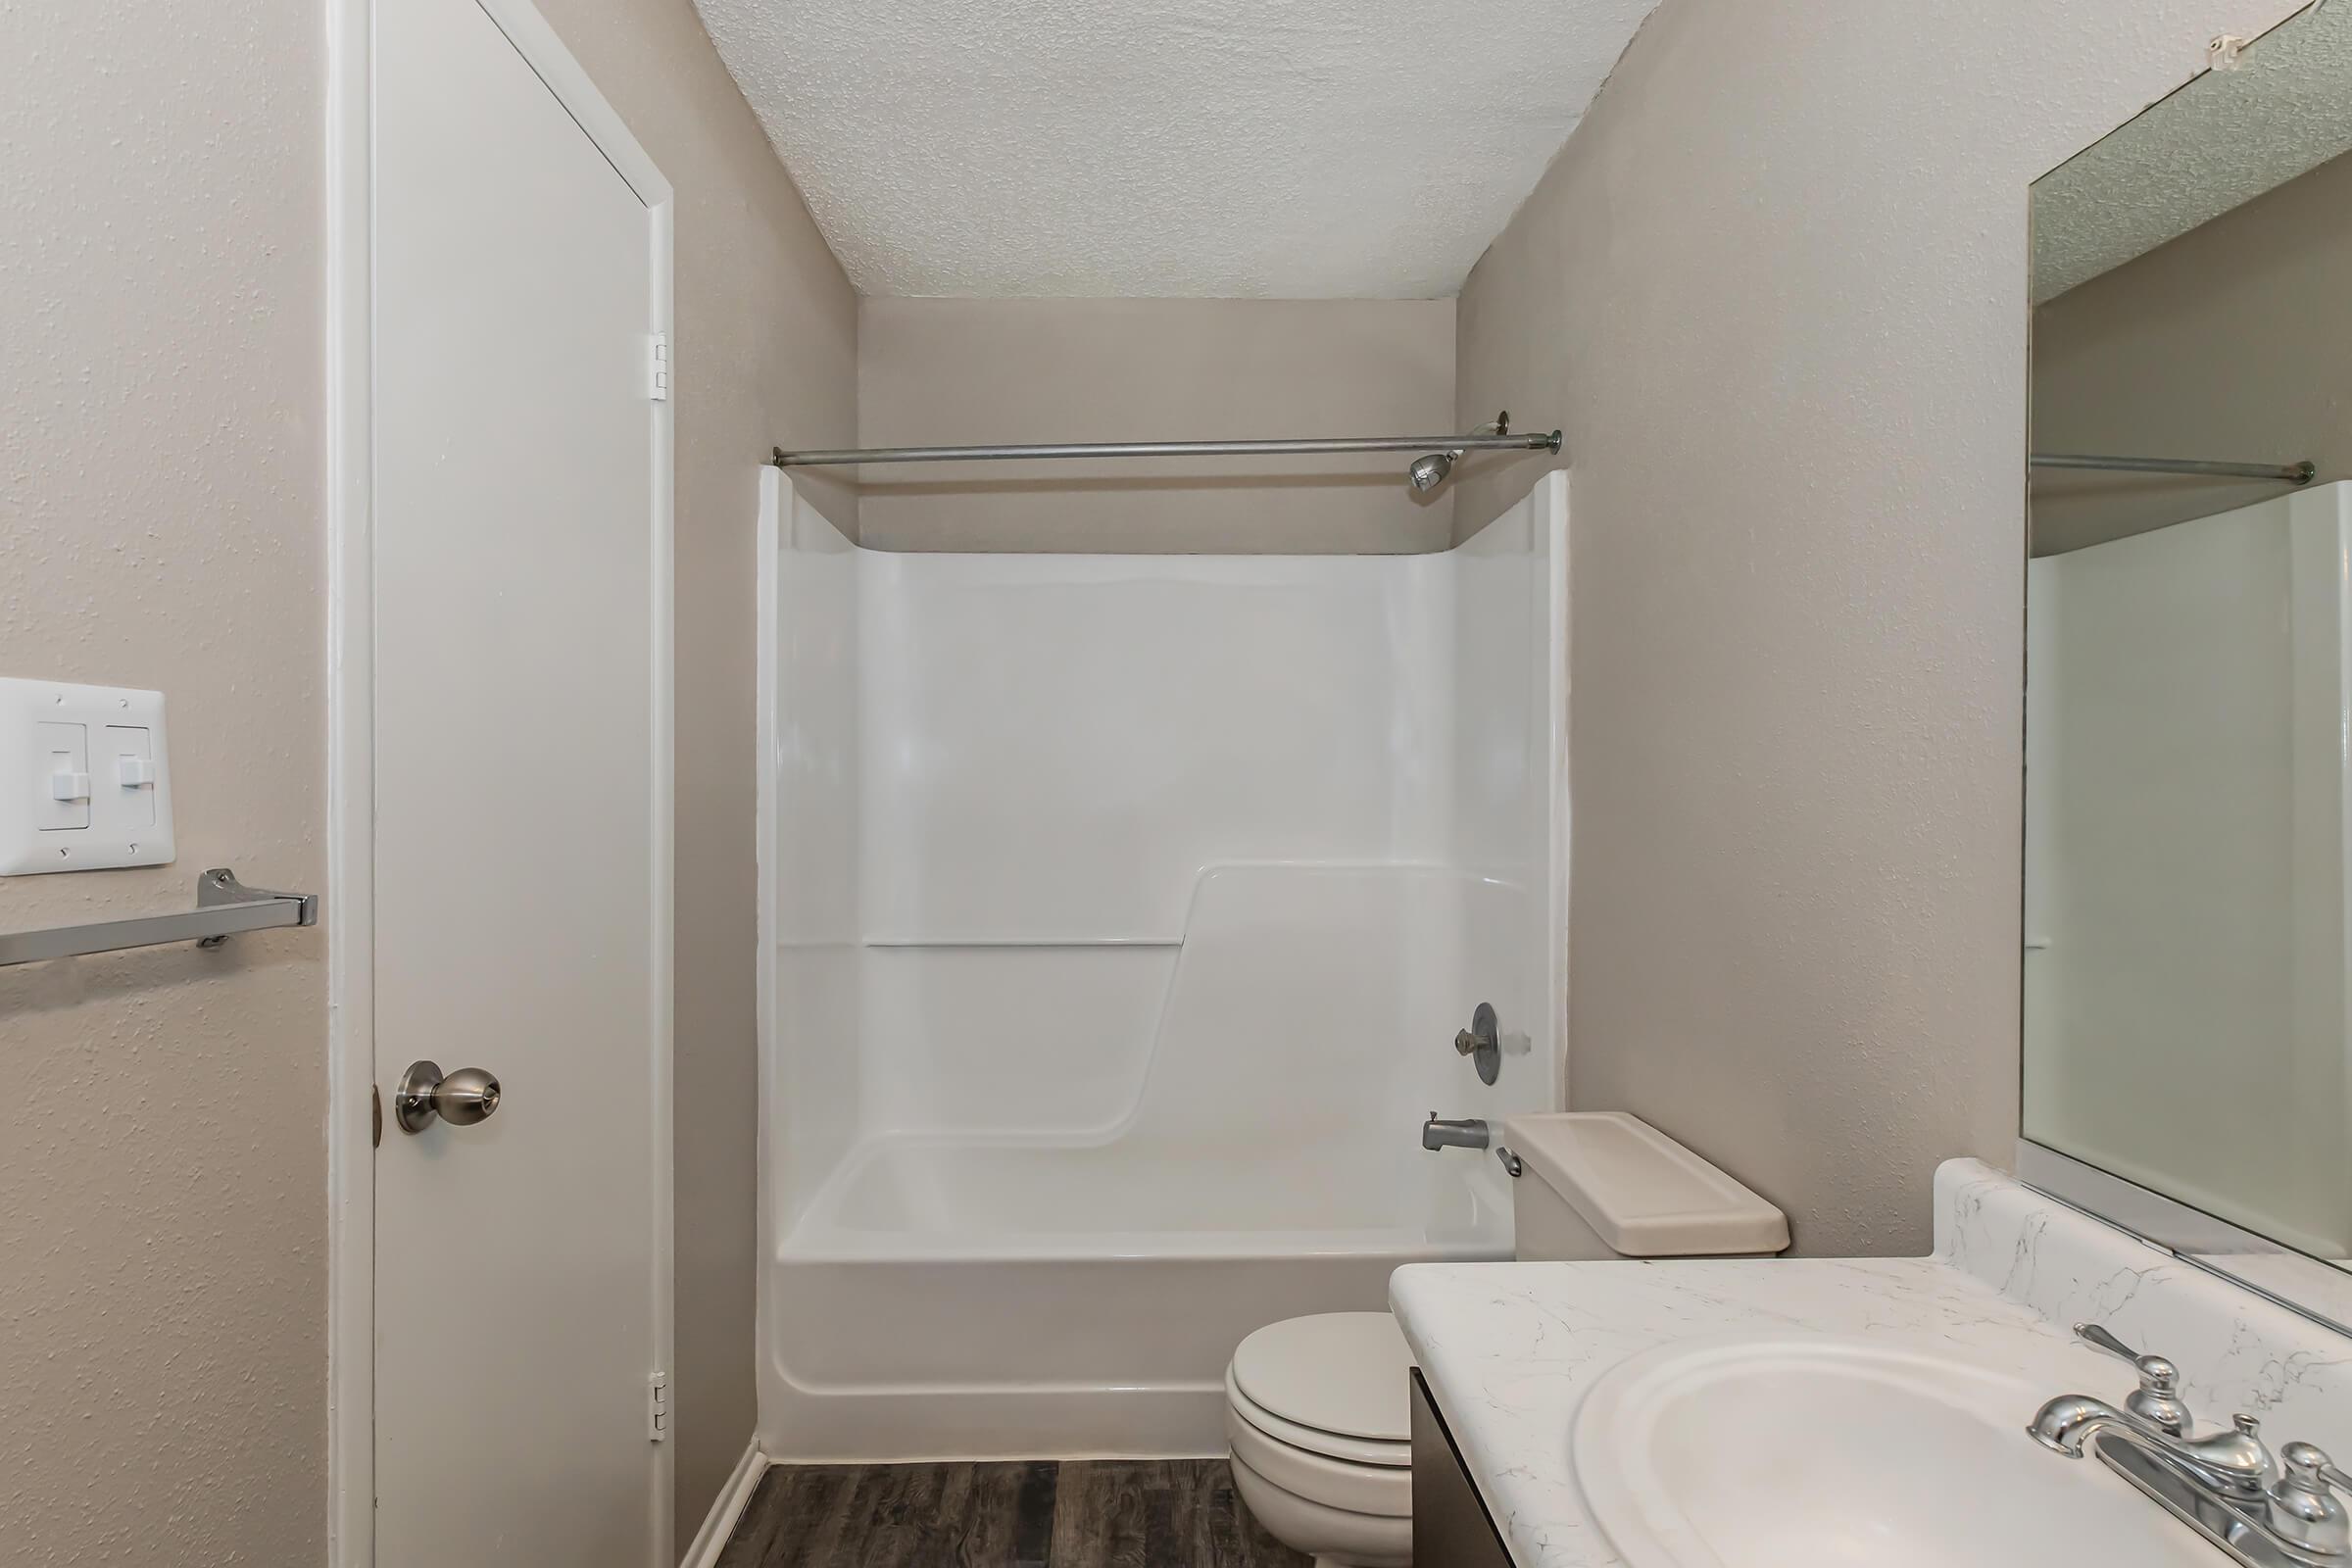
x,y
1601,1183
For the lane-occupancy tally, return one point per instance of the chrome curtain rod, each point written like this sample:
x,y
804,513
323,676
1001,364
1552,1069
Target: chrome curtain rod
x,y
2283,473
1312,447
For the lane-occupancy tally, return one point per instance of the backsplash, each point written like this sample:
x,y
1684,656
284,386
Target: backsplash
x,y
2236,1350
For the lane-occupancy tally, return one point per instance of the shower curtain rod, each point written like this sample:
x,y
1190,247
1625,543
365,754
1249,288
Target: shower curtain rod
x,y
1315,446
2283,472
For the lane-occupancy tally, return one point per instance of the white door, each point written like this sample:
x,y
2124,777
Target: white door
x,y
523,760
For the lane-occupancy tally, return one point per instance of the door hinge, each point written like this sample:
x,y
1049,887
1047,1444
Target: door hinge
x,y
657,1407
656,384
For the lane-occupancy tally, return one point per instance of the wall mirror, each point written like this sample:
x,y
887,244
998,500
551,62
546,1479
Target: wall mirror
x,y
2187,1027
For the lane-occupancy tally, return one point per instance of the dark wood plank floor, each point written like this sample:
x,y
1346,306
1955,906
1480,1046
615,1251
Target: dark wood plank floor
x,y
1093,1513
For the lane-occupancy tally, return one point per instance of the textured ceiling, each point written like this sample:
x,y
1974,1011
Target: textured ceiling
x,y
2218,143
1217,149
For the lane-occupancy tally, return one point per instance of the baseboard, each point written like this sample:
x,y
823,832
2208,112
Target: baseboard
x,y
720,1523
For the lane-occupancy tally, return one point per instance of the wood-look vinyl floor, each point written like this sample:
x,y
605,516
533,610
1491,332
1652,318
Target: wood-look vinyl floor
x,y
1093,1513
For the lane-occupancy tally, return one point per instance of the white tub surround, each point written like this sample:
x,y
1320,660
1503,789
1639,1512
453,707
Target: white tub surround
x,y
1511,1351
1120,913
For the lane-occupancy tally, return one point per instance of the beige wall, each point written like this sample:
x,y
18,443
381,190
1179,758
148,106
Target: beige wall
x,y
162,1244
2232,341
952,372
1775,290
767,344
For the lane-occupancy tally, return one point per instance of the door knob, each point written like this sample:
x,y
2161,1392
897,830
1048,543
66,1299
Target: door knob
x,y
459,1099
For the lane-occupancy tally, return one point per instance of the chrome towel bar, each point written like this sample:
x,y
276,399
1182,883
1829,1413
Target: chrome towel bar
x,y
225,906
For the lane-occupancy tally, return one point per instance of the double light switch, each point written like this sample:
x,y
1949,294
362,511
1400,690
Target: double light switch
x,y
84,778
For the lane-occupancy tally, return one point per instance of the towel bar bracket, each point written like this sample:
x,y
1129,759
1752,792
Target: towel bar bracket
x,y
219,887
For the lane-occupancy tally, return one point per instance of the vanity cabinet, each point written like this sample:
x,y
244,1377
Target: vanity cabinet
x,y
1451,1528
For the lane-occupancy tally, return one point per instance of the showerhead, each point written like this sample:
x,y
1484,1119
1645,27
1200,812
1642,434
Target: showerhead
x,y
1430,471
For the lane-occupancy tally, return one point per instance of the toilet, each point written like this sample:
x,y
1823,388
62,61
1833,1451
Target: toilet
x,y
1317,1412
1318,1430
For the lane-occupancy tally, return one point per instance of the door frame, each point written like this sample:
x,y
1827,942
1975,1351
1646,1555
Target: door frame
x,y
351,750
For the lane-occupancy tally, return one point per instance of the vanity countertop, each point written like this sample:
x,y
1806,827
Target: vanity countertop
x,y
1510,1349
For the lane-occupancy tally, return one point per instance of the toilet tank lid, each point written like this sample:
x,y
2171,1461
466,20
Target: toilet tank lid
x,y
1644,1194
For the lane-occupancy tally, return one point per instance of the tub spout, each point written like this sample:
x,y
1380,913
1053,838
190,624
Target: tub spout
x,y
1468,1133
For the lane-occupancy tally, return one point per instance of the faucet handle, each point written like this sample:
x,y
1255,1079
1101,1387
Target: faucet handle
x,y
2157,1401
2304,1459
2100,1338
2305,1510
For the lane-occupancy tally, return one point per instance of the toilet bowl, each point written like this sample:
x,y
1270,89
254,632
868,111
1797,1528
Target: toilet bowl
x,y
1317,1413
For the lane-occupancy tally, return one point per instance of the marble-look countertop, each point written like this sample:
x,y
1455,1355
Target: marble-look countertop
x,y
1510,1349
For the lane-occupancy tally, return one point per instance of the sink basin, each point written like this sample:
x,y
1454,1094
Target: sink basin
x,y
1824,1452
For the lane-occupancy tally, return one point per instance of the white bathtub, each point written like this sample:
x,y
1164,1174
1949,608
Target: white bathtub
x,y
1078,1291
1120,912
995,1300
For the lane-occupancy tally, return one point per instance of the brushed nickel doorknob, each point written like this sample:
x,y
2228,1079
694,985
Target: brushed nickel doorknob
x,y
459,1099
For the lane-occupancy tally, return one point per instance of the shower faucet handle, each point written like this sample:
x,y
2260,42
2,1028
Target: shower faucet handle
x,y
1482,1042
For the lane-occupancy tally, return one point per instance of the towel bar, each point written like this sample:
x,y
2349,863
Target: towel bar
x,y
225,906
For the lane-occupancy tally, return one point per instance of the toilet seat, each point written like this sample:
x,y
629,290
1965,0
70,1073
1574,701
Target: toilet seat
x,y
1338,1372
1330,1444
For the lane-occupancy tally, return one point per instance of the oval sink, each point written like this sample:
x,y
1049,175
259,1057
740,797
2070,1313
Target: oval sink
x,y
1826,1451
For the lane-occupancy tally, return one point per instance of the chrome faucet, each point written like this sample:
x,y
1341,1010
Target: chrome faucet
x,y
2236,1463
2225,1484
1468,1133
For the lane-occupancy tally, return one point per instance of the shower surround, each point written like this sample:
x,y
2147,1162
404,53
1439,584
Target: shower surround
x,y
1118,912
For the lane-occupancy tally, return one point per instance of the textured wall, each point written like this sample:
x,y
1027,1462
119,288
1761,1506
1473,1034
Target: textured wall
x,y
163,1274
952,372
765,348
2232,341
1775,290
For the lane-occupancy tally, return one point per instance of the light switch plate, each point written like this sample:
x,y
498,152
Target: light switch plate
x,y
85,782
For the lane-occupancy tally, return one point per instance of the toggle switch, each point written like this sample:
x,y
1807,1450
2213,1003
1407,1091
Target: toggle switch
x,y
132,804
62,753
